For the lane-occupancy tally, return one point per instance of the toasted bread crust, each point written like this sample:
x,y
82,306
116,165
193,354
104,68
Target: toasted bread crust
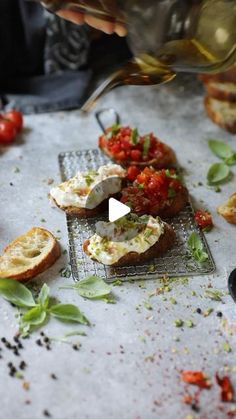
x,y
47,261
165,242
217,91
228,210
168,161
217,116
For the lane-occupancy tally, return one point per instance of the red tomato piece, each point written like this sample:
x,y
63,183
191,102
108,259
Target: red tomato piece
x,y
16,118
227,391
7,132
197,378
132,173
203,219
136,155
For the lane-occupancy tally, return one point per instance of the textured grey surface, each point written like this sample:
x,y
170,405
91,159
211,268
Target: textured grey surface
x,y
129,362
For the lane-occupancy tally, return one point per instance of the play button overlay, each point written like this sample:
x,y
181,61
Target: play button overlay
x,y
117,210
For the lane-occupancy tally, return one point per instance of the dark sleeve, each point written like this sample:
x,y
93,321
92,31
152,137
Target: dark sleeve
x,y
22,37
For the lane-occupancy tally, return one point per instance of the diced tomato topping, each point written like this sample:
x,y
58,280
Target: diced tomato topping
x,y
136,155
150,190
132,173
136,147
203,219
120,156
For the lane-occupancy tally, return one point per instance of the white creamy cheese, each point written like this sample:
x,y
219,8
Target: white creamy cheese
x,y
89,189
110,252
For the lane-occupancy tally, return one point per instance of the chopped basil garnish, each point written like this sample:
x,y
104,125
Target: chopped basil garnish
x,y
172,175
146,145
171,193
148,232
114,129
134,136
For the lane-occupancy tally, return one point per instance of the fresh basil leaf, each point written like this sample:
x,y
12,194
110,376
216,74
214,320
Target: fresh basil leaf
x,y
68,313
34,317
217,173
200,255
196,247
93,287
134,136
220,149
16,293
43,298
146,145
231,161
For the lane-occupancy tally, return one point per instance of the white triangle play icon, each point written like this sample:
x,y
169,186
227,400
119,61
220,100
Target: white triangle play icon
x,y
117,210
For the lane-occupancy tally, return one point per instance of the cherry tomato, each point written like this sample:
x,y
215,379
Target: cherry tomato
x,y
203,219
7,131
16,118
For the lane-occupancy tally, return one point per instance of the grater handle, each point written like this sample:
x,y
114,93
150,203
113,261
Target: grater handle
x,y
109,111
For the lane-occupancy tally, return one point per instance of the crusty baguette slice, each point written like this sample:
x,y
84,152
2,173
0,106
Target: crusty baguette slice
x,y
222,91
168,161
221,113
29,254
228,210
165,242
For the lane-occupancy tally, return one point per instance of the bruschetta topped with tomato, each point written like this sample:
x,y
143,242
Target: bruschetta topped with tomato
x,y
127,147
156,238
155,192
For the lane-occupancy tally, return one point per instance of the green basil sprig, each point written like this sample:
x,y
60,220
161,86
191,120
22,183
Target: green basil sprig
x,y
196,248
37,311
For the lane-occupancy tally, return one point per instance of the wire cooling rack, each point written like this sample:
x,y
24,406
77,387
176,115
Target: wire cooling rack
x,y
176,262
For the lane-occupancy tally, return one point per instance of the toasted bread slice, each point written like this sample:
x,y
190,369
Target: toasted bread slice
x,y
167,161
221,113
222,91
173,205
166,241
228,210
29,254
